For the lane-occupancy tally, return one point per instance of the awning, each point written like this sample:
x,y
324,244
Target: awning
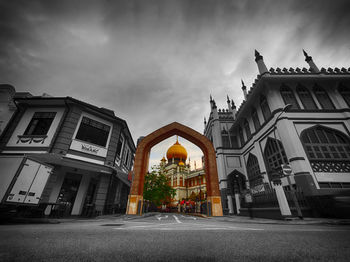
x,y
57,159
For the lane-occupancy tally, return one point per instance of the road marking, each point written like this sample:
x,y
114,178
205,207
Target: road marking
x,y
189,217
177,220
160,217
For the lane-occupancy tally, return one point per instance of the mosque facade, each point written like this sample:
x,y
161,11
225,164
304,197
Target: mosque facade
x,y
188,183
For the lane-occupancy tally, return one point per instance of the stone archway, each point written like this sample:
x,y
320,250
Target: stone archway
x,y
135,200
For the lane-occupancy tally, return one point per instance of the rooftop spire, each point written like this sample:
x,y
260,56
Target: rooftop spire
x,y
260,62
244,88
311,63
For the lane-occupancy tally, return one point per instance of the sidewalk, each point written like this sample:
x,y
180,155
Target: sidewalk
x,y
290,221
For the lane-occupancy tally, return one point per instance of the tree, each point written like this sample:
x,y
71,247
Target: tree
x,y
156,187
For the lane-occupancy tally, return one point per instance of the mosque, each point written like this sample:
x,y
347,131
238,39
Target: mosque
x,y
189,184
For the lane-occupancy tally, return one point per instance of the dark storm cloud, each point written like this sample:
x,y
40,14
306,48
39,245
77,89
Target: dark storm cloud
x,y
155,62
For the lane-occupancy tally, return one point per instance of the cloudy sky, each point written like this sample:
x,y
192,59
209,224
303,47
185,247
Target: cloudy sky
x,y
156,61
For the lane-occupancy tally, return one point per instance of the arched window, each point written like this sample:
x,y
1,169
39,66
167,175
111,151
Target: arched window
x,y
273,154
255,118
328,150
323,97
306,98
247,129
225,139
241,136
288,97
265,108
253,171
345,92
233,139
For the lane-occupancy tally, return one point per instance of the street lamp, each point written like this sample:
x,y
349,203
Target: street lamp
x,y
295,200
200,192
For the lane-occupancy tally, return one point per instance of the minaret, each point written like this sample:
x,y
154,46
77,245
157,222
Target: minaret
x,y
260,62
311,63
244,88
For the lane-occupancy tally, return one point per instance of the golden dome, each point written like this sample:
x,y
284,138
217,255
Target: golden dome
x,y
176,151
181,163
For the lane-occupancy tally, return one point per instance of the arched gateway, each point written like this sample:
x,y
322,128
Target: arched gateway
x,y
135,200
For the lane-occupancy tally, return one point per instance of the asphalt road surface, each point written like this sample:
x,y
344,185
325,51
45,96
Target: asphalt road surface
x,y
172,237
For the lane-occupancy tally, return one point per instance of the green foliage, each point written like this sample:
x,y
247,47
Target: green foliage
x,y
156,187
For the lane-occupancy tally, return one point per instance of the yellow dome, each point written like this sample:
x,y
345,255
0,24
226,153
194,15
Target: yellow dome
x,y
181,163
176,151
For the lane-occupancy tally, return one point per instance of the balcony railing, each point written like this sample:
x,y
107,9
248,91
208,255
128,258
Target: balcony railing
x,y
28,139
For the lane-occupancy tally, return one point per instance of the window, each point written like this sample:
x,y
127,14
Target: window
x,y
265,108
325,144
127,153
288,97
273,154
328,150
306,98
92,131
253,171
255,118
323,97
234,141
225,139
120,146
247,129
40,123
345,92
241,136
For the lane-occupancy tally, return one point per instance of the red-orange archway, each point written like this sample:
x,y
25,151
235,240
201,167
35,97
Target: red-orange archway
x,y
135,200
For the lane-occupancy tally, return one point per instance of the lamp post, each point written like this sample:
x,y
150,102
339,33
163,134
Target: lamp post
x,y
200,191
295,200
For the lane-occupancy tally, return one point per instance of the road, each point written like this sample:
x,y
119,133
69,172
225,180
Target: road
x,y
172,237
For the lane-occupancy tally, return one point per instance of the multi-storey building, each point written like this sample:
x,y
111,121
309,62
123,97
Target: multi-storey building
x,y
90,149
294,116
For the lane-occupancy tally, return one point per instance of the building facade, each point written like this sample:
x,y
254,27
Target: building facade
x,y
295,117
187,183
90,150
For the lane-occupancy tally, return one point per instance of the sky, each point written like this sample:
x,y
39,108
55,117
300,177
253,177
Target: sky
x,y
157,61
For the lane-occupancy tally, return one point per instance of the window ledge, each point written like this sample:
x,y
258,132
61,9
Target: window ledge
x,y
31,139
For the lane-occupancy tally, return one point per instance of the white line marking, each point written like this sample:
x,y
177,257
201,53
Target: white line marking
x,y
189,217
177,220
160,217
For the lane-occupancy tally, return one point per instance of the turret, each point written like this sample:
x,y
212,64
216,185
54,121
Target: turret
x,y
244,88
229,104
260,62
311,63
234,111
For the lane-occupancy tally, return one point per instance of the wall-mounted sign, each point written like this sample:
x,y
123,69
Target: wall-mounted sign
x,y
89,148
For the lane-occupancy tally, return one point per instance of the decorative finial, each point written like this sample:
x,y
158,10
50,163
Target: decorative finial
x,y
228,99
243,85
311,63
305,54
233,104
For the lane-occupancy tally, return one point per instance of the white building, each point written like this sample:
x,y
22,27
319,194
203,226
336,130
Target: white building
x,y
90,149
312,135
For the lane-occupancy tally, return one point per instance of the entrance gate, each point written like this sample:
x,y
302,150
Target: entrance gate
x,y
135,200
